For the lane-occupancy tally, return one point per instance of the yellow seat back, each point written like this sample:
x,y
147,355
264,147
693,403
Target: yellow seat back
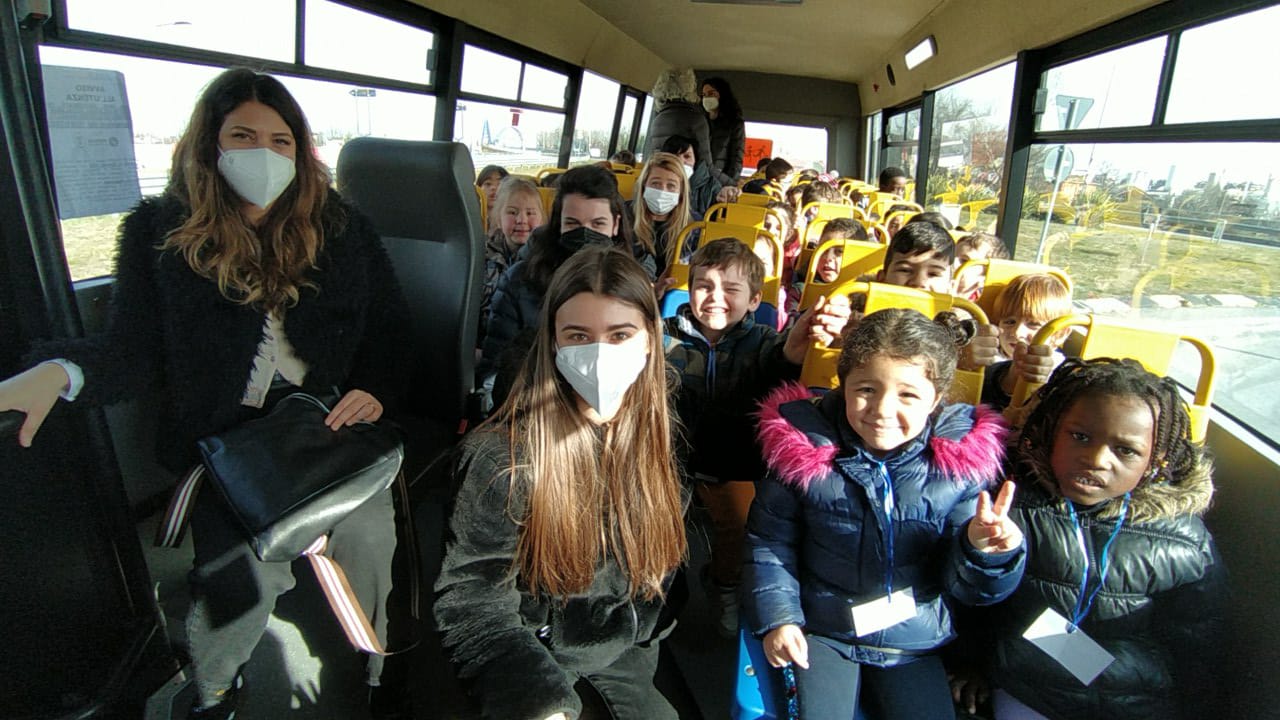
x,y
626,184
1105,337
754,199
859,258
1000,272
738,214
548,199
679,270
881,203
545,172
819,369
827,211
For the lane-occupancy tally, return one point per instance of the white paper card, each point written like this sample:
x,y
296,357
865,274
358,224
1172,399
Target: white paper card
x,y
884,612
1075,651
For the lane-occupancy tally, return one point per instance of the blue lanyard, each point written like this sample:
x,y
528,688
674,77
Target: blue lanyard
x,y
1084,602
888,502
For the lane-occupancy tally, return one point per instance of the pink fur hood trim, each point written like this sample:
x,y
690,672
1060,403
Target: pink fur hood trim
x,y
792,454
788,451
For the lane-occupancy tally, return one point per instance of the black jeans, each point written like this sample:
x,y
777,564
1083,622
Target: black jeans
x,y
830,688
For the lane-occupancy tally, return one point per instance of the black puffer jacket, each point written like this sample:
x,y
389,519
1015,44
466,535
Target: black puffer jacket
x,y
518,650
170,324
720,387
817,534
1160,612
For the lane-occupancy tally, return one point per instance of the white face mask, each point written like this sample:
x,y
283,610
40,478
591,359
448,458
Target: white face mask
x,y
660,202
258,175
602,372
688,171
710,104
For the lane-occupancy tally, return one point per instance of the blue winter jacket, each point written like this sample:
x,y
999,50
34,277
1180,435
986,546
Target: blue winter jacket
x,y
817,534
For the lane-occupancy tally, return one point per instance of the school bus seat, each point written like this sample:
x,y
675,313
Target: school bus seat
x,y
754,199
741,214
887,200
1000,272
544,173
819,369
771,291
904,215
421,199
1106,337
626,185
859,258
827,210
548,196
970,211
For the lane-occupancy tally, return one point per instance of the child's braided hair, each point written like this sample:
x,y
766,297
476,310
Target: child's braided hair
x,y
1173,455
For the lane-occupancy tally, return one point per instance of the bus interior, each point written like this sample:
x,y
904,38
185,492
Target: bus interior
x,y
1132,143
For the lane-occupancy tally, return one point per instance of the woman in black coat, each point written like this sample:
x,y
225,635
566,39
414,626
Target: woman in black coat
x,y
728,132
247,279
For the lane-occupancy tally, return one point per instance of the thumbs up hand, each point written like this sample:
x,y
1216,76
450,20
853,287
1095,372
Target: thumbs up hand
x,y
990,529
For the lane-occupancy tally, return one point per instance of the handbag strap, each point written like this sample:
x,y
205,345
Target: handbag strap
x,y
337,590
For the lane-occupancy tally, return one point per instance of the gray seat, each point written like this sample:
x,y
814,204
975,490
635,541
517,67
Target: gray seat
x,y
422,201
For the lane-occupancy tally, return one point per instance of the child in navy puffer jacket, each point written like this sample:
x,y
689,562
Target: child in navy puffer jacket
x,y
873,511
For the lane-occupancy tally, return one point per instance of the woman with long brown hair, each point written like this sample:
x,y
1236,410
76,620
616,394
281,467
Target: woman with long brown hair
x,y
247,279
569,522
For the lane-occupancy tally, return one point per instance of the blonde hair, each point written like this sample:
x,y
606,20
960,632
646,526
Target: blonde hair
x,y
1037,296
676,219
267,265
510,189
591,493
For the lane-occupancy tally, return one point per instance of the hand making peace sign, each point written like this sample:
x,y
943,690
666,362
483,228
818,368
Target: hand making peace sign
x,y
990,529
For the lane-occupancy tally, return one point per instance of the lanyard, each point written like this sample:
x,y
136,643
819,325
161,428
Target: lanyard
x,y
1084,602
888,502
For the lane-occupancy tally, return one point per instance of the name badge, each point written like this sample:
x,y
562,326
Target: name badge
x,y
884,612
1074,650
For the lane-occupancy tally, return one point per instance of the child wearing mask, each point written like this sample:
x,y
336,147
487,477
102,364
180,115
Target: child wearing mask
x,y
662,208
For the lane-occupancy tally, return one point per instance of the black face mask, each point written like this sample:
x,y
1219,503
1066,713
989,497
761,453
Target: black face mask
x,y
580,237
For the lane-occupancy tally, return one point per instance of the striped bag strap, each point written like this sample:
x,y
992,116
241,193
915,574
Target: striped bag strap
x,y
174,523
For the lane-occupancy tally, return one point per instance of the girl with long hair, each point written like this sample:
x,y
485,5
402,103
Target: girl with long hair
x,y
568,525
661,206
247,279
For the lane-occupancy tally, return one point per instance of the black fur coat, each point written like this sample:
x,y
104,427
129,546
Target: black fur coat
x,y
170,326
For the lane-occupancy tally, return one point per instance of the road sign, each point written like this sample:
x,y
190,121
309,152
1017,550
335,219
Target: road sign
x,y
1058,164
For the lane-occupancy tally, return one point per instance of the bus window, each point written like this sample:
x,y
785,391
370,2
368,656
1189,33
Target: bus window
x,y
1114,89
1204,91
970,125
803,147
217,26
596,108
1181,237
343,38
160,95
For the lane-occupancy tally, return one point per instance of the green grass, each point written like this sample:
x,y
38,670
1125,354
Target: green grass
x,y
90,244
1110,261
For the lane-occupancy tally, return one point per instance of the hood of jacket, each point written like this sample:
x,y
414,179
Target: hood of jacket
x,y
801,439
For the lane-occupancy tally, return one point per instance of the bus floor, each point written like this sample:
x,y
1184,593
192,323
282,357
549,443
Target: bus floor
x,y
303,667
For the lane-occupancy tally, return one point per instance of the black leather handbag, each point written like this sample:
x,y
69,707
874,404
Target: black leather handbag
x,y
289,479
